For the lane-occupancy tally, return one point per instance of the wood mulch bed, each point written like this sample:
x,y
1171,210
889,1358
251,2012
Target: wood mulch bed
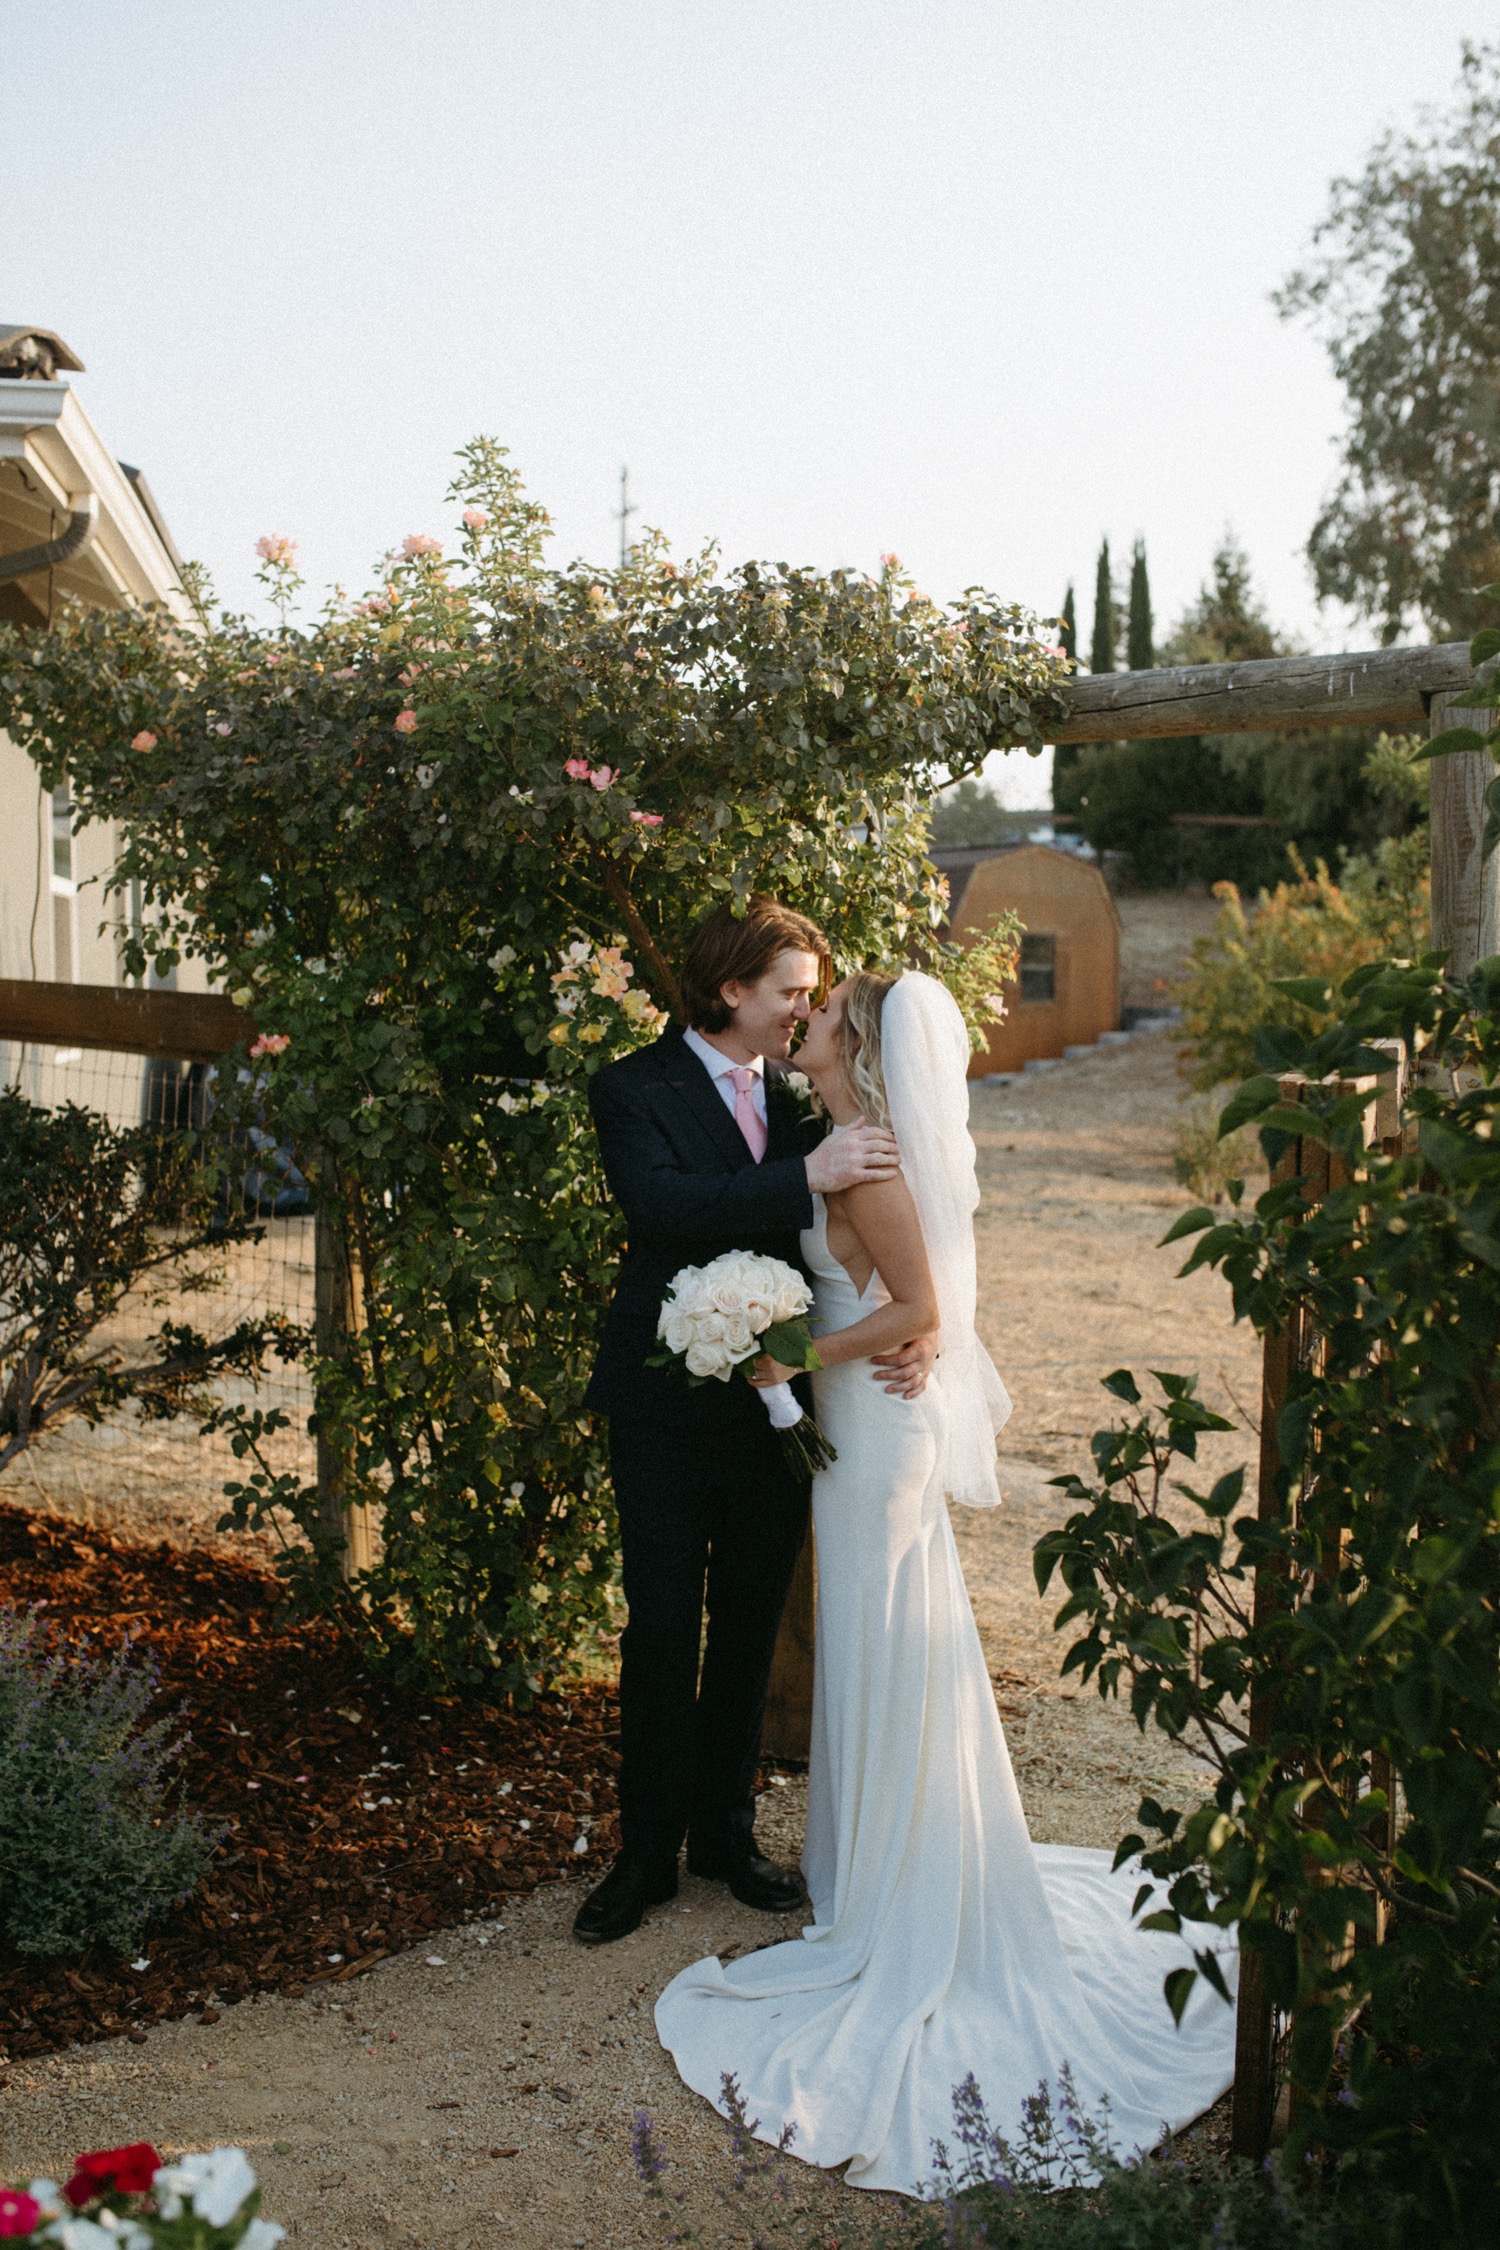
x,y
360,1816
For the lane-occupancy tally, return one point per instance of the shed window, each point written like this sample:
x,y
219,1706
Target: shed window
x,y
1038,966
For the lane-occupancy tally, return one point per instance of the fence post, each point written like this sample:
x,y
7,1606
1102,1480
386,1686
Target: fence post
x,y
1465,887
1253,2113
336,1317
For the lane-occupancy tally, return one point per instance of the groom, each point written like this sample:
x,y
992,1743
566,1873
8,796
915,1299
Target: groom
x,y
705,1151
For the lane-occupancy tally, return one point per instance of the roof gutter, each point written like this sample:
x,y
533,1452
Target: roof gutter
x,y
83,523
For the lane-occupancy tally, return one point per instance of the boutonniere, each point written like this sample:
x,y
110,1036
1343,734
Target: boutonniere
x,y
803,1092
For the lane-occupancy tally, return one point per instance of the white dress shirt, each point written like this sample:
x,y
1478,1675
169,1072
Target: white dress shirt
x,y
719,1067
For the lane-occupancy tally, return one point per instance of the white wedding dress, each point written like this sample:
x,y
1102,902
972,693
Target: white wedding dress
x,y
943,1941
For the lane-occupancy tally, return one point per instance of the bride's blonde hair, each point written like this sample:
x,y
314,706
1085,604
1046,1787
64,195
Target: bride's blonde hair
x,y
859,1043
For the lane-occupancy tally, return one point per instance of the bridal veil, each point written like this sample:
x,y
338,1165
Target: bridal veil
x,y
924,1051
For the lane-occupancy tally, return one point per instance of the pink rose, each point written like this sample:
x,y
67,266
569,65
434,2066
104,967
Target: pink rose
x,y
145,740
419,543
475,519
270,1043
20,2213
648,819
577,769
275,547
602,776
405,722
890,562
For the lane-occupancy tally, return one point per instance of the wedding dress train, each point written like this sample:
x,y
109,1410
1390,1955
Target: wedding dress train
x,y
943,1941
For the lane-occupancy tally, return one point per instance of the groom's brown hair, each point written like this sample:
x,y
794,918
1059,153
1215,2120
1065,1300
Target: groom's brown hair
x,y
739,948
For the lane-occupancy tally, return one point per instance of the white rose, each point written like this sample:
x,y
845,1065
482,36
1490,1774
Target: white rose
x,y
739,1335
676,1330
728,1297
792,1299
709,1328
760,1311
709,1359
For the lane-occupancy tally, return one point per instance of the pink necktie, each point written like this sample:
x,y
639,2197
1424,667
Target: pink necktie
x,y
746,1116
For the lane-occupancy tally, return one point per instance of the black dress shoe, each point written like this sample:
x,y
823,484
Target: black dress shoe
x,y
615,1908
754,1881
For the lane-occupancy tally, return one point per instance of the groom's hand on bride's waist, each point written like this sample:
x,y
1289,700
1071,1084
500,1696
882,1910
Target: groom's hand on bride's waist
x,y
853,1159
904,1372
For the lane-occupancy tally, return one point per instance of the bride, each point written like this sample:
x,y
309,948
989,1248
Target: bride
x,y
943,1941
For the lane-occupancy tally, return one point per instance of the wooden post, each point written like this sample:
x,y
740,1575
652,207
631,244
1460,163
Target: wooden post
x,y
787,1732
1254,2106
336,1317
1465,888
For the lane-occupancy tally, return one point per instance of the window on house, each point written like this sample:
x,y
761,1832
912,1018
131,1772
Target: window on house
x,y
1038,966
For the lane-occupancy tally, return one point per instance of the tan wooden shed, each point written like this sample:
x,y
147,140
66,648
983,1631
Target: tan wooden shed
x,y
1068,989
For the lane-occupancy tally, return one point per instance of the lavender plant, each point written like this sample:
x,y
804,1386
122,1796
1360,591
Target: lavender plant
x,y
94,1838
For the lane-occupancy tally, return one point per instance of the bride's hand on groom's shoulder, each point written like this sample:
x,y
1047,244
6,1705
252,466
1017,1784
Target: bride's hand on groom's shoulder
x,y
856,1158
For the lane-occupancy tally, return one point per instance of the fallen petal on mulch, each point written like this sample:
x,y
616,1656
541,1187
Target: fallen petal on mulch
x,y
361,1816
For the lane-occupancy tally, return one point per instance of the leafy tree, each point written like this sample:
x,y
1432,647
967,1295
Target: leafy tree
x,y
449,840
1065,755
1406,288
1105,644
1140,650
1068,626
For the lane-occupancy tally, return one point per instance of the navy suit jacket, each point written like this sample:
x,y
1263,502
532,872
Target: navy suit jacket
x,y
680,1170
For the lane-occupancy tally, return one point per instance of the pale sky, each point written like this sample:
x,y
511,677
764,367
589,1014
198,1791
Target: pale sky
x,y
970,280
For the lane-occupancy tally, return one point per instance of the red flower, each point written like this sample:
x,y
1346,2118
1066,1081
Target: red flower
x,y
113,2171
19,2212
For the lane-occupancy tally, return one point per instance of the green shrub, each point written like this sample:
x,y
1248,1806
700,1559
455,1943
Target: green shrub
x,y
1356,1615
89,1211
1310,927
93,1837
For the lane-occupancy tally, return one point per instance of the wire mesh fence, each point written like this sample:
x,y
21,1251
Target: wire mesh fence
x,y
151,1479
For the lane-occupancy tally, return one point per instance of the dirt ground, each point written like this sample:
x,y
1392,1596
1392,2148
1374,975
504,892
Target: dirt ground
x,y
483,2085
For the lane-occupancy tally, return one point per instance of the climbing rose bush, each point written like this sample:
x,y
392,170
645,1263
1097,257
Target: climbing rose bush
x,y
446,843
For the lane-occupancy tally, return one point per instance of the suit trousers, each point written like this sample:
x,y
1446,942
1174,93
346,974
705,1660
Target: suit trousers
x,y
708,1509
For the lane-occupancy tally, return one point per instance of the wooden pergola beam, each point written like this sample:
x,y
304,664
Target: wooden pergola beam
x,y
1386,687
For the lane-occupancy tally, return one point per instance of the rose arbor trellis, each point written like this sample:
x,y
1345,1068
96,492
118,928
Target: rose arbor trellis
x,y
1408,688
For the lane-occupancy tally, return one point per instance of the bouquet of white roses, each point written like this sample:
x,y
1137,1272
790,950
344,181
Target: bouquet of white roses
x,y
721,1316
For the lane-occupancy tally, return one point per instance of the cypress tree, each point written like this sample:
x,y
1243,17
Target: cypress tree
x,y
1106,640
1068,637
1140,649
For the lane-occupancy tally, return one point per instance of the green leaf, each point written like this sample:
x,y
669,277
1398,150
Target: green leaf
x,y
1191,1222
1485,644
1255,1095
1308,992
1451,743
1123,1385
1177,1986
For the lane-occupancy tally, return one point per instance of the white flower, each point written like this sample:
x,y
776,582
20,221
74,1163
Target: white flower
x,y
739,1335
792,1298
676,1329
80,2234
215,2182
502,959
261,2235
709,1359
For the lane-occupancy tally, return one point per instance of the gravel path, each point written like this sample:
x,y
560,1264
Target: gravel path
x,y
483,2086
